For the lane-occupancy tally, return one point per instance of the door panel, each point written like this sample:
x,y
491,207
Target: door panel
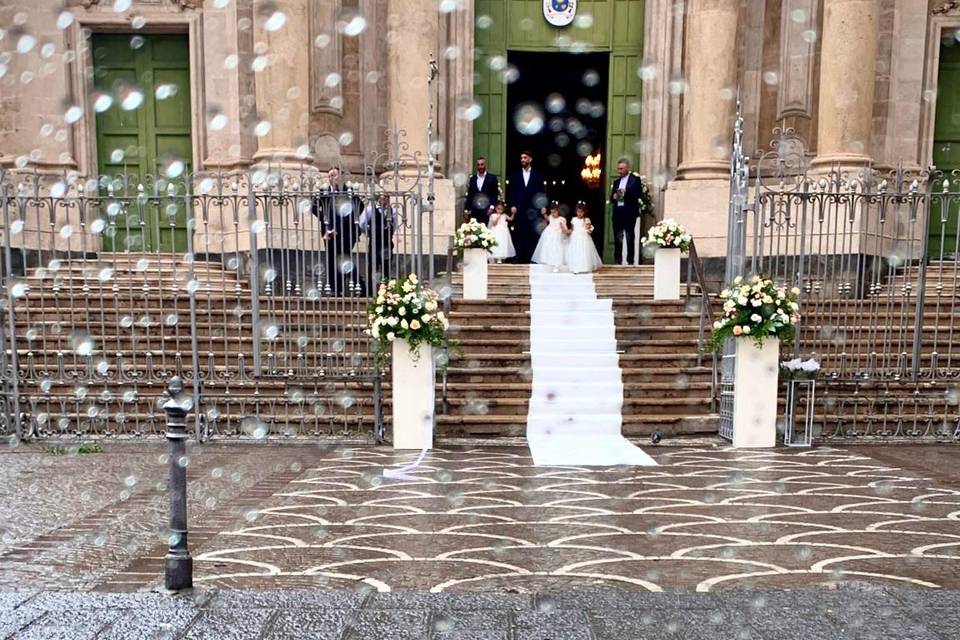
x,y
150,142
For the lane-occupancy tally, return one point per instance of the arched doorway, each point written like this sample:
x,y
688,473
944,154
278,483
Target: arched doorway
x,y
518,53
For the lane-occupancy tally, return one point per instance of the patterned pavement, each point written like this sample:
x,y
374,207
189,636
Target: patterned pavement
x,y
485,519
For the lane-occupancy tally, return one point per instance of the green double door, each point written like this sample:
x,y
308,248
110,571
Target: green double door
x,y
946,153
144,136
612,26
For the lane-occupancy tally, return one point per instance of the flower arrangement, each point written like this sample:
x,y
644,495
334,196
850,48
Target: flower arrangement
x,y
406,310
473,235
646,201
669,234
798,369
756,309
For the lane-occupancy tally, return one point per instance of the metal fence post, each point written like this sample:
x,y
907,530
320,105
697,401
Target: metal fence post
x,y
178,565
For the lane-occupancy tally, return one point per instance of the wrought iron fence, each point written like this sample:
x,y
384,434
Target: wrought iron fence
x,y
252,287
875,258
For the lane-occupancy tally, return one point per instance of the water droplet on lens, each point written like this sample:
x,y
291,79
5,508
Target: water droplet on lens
x,y
276,21
64,20
262,128
528,119
131,100
119,6
218,122
26,43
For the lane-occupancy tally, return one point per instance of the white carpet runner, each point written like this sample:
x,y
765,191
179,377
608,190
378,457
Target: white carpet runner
x,y
576,402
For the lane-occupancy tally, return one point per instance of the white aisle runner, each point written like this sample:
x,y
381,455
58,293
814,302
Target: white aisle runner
x,y
577,397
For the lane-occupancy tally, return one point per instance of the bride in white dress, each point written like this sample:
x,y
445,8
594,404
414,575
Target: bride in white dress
x,y
500,228
552,248
582,256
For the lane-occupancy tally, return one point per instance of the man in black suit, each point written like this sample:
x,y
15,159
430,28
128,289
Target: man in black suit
x,y
483,191
527,197
625,197
378,225
337,208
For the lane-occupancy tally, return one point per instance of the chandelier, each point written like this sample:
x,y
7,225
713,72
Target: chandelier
x,y
590,174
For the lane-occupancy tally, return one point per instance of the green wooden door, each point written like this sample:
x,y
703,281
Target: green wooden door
x,y
946,151
518,25
145,133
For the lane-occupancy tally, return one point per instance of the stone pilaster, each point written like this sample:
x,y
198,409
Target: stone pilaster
x,y
230,115
283,85
711,70
847,82
40,109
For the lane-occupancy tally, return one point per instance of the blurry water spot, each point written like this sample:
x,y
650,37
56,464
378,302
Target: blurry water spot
x,y
262,128
132,99
119,6
276,21
101,102
528,119
26,43
64,20
352,24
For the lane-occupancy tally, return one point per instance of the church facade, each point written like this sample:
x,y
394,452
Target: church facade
x,y
100,86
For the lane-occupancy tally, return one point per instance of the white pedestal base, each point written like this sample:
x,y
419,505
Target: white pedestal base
x,y
413,396
666,274
755,394
475,274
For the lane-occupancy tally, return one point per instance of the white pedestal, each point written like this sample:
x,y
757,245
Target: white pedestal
x,y
755,394
413,396
666,274
475,274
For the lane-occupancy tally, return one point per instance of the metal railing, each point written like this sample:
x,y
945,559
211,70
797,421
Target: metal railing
x,y
251,287
875,258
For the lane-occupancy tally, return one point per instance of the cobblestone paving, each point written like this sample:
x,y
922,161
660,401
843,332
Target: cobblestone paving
x,y
485,519
859,613
707,519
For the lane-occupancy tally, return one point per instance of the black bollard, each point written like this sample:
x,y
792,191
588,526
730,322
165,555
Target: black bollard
x,y
178,565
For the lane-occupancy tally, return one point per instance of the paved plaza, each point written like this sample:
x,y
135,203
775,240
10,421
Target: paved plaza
x,y
716,529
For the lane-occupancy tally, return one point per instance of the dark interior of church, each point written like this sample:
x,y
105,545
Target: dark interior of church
x,y
557,110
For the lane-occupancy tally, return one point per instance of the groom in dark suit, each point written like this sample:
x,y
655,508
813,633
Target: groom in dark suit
x,y
483,191
625,195
527,197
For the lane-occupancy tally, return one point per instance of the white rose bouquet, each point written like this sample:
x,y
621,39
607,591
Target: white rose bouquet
x,y
473,235
406,310
669,234
756,309
798,369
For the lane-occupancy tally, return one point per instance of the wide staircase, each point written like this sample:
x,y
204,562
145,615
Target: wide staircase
x,y
98,338
667,383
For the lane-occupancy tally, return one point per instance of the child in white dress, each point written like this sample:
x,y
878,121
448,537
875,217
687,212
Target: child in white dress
x,y
582,256
500,228
552,248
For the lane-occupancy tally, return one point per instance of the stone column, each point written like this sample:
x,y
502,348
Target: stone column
x,y
710,46
229,87
411,40
847,77
283,86
41,113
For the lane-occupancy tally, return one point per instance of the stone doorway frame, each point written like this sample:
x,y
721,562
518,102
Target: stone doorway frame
x,y
158,22
945,17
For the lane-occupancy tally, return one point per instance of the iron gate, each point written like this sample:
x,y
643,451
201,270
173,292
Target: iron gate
x,y
875,256
262,313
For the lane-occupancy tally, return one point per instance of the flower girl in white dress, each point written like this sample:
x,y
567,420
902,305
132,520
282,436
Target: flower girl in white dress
x,y
552,248
582,256
500,228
